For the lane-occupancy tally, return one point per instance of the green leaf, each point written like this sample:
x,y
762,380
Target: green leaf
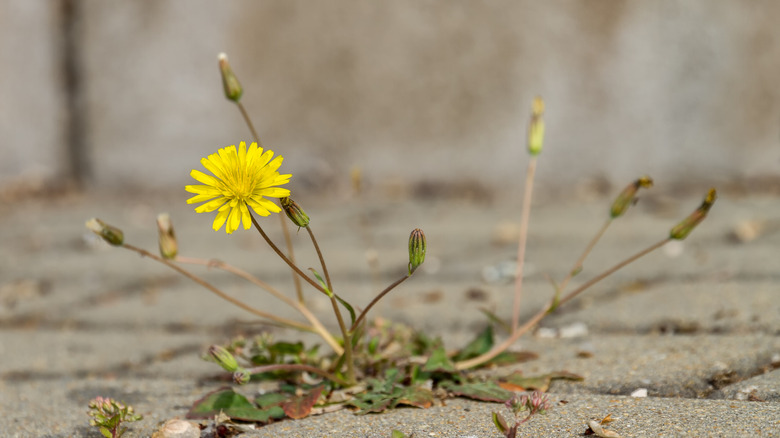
x,y
500,423
286,348
298,407
398,434
492,317
484,391
106,433
480,345
372,402
349,309
438,361
234,405
322,282
416,396
270,399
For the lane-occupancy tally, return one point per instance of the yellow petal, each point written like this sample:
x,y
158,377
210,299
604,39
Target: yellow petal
x,y
211,205
220,219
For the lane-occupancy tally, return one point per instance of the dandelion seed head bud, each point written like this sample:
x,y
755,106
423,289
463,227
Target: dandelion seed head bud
x,y
223,358
681,230
536,127
241,376
417,247
110,234
627,197
233,90
167,238
295,212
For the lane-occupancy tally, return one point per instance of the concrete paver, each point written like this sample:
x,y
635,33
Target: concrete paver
x,y
696,325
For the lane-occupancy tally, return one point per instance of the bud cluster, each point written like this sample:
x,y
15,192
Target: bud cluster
x,y
108,414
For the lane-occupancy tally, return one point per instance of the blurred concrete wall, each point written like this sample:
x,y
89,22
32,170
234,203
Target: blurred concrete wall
x,y
686,91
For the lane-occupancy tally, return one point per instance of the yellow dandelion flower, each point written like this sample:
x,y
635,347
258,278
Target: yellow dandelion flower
x,y
241,178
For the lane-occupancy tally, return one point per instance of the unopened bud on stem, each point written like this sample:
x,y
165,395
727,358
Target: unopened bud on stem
x,y
110,234
241,376
417,247
223,358
627,197
681,230
167,238
536,127
233,90
295,212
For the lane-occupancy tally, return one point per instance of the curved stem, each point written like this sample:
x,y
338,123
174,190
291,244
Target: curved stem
x,y
285,258
498,349
291,251
322,259
524,218
249,123
285,228
298,367
375,300
585,253
284,321
347,341
318,327
343,327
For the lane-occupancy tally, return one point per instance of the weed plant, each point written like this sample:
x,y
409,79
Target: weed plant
x,y
368,365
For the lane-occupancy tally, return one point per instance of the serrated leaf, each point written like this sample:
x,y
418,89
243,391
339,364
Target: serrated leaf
x,y
438,361
416,396
479,345
234,405
298,407
484,391
372,403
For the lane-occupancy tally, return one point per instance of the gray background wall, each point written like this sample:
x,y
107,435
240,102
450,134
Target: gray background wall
x,y
412,91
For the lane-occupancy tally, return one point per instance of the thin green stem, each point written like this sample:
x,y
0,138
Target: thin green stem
x,y
348,354
291,251
347,341
318,327
500,348
285,258
284,321
612,270
322,259
249,123
581,260
299,367
285,228
376,300
524,218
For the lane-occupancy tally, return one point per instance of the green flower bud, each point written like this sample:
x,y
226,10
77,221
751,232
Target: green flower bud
x,y
110,234
223,358
233,90
242,376
417,247
536,127
681,230
294,212
627,197
167,238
